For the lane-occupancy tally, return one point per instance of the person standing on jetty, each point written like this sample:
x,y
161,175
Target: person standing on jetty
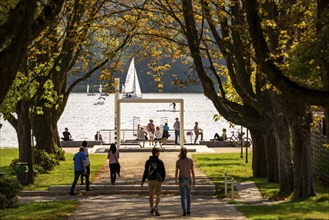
x,y
198,131
184,171
177,128
165,133
155,172
79,169
151,130
114,165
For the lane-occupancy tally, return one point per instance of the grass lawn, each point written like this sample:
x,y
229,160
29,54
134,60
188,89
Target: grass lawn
x,y
61,175
41,210
215,165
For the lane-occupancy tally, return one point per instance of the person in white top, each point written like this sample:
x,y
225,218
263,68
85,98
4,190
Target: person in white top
x,y
158,136
141,136
87,162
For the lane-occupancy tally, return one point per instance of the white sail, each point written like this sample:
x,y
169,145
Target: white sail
x,y
131,88
88,93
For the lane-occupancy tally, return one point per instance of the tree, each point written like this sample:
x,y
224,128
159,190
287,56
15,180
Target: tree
x,y
304,89
21,22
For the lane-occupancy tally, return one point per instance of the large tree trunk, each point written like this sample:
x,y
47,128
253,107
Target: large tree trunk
x,y
283,146
258,154
271,158
303,170
283,151
43,131
23,129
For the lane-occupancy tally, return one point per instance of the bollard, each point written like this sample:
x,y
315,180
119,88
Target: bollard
x,y
232,188
225,184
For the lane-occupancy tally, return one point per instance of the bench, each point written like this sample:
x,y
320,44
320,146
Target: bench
x,y
138,141
79,143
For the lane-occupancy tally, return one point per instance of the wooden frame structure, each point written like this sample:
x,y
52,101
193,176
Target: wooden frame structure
x,y
117,114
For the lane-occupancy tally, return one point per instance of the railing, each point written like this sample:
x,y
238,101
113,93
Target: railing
x,y
128,136
320,155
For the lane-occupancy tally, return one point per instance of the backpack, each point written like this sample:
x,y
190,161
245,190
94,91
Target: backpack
x,y
153,172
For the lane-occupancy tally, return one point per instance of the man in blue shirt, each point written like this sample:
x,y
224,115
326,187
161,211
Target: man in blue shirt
x,y
79,169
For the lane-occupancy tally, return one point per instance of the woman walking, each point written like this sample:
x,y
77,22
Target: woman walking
x,y
113,157
184,170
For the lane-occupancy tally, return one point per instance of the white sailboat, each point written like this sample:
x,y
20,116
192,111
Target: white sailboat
x,y
88,93
101,90
131,88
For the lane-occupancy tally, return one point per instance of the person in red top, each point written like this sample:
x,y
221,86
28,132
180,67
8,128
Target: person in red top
x,y
184,171
151,129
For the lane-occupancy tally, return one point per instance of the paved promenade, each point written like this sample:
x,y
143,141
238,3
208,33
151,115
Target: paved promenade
x,y
125,206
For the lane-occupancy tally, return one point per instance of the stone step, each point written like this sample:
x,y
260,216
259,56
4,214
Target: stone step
x,y
118,189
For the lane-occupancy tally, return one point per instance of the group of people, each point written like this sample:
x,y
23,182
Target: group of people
x,y
154,173
153,134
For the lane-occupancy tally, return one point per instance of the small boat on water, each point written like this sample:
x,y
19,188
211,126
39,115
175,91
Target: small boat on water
x,y
89,93
101,90
131,88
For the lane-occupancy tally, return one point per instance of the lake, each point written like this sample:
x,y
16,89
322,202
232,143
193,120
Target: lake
x,y
83,116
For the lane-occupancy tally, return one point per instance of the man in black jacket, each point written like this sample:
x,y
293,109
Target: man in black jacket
x,y
155,172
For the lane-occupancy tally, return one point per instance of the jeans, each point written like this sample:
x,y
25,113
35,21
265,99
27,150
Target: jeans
x,y
113,172
185,193
176,136
87,175
77,174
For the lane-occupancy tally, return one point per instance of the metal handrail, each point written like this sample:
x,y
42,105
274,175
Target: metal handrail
x,y
127,135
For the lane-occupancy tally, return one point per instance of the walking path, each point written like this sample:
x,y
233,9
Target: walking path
x,y
133,206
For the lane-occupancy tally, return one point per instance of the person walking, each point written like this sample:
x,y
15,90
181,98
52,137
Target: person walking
x,y
198,131
79,169
155,173
84,145
114,165
176,128
184,171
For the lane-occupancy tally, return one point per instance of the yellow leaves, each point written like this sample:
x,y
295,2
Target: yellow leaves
x,y
270,23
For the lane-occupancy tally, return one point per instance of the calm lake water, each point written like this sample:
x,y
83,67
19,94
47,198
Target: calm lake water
x,y
84,118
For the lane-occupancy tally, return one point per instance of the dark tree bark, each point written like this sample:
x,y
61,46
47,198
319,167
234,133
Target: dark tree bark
x,y
259,166
283,147
303,170
271,157
22,126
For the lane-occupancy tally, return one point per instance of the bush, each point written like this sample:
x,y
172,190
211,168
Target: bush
x,y
12,165
43,162
9,190
60,154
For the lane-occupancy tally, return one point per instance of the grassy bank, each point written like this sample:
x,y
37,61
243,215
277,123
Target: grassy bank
x,y
41,210
61,175
215,165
